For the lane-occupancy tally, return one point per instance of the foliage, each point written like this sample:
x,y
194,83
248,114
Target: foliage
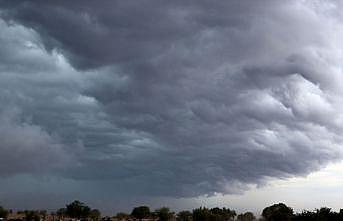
x,y
78,210
201,214
223,214
278,212
322,214
248,216
141,212
214,214
164,214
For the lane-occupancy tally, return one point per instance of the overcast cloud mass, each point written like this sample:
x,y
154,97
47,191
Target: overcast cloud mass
x,y
167,99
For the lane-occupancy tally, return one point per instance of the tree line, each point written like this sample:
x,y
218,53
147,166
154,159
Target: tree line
x,y
76,210
80,211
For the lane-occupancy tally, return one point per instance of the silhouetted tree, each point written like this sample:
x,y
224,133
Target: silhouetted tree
x,y
214,214
201,214
229,214
218,214
304,216
340,215
248,216
325,214
164,214
77,210
322,214
278,212
141,212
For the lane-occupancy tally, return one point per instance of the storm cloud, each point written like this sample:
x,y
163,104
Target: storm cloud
x,y
177,98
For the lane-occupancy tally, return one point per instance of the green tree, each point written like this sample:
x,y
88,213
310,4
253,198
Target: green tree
x,y
141,212
278,212
3,213
184,215
164,214
77,210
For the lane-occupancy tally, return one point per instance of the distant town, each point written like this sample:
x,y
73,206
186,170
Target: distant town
x,y
79,211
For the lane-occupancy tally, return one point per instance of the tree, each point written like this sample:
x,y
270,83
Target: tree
x,y
184,216
201,214
278,212
218,214
325,214
340,215
229,214
95,214
305,215
141,212
164,214
214,214
3,213
248,216
322,214
77,210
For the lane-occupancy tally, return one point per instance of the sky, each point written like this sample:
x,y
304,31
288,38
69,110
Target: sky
x,y
171,103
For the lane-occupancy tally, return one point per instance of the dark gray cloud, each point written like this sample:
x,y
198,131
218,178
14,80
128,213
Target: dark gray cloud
x,y
172,99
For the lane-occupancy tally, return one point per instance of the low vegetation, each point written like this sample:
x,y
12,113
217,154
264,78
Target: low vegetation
x,y
80,211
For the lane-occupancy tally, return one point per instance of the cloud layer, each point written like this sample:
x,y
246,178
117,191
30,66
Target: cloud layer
x,y
171,99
